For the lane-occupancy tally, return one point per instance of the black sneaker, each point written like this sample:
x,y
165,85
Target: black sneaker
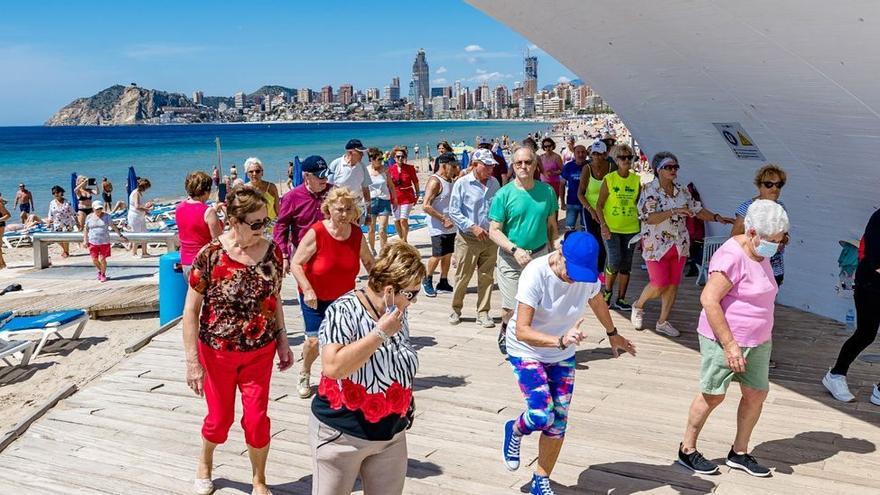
x,y
696,462
502,339
622,305
443,286
747,463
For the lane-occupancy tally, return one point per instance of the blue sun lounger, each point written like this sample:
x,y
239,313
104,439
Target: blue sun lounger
x,y
8,348
45,325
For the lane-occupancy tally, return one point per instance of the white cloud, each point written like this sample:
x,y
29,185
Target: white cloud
x,y
473,48
145,51
439,80
481,71
563,79
483,76
440,70
473,60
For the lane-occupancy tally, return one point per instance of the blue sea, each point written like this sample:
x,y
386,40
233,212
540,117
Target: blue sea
x,y
45,156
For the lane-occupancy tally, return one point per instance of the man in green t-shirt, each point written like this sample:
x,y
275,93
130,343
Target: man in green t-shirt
x,y
523,225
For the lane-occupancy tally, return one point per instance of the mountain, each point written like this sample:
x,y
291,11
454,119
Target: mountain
x,y
272,89
117,105
573,82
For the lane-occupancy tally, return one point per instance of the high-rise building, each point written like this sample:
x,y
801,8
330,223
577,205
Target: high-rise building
x,y
436,92
304,95
198,97
456,89
394,94
372,94
327,94
530,70
421,86
346,94
240,100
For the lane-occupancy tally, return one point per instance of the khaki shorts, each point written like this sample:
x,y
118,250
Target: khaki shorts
x,y
715,375
507,272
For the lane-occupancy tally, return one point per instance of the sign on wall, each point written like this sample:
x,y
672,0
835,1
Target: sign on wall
x,y
738,140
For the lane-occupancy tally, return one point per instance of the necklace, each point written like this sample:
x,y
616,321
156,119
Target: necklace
x,y
372,306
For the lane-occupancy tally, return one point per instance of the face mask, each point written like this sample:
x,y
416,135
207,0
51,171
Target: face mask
x,y
766,249
389,308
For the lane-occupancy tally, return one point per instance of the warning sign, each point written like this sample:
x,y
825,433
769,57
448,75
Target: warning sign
x,y
739,141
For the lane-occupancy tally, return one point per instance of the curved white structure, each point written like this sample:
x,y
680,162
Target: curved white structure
x,y
800,76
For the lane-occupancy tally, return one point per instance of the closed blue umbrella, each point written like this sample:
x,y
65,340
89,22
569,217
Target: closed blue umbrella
x,y
297,171
465,159
132,183
73,199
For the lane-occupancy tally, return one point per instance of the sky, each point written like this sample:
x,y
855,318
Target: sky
x,y
52,52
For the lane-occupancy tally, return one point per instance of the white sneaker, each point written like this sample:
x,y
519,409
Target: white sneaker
x,y
485,321
304,389
836,384
637,318
203,487
875,396
454,318
666,328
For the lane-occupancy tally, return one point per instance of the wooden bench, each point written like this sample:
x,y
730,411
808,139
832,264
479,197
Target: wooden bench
x,y
43,239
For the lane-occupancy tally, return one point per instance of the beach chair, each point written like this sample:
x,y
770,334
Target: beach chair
x,y
8,348
710,245
45,325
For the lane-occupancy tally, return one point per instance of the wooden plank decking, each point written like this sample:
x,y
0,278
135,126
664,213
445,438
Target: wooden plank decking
x,y
136,429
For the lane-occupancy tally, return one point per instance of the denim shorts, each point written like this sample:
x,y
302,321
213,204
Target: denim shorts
x,y
313,317
380,207
620,253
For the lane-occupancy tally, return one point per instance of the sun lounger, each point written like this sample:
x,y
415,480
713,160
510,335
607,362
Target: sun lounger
x,y
45,325
8,348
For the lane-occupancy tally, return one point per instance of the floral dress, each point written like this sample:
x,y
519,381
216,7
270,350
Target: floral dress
x,y
657,239
61,216
240,301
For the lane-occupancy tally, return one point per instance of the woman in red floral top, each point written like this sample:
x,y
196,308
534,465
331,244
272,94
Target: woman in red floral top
x,y
364,402
233,326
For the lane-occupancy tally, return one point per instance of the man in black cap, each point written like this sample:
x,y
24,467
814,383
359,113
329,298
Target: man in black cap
x,y
348,171
301,207
438,191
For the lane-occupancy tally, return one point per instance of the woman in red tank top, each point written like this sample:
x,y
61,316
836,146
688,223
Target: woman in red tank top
x,y
406,185
325,265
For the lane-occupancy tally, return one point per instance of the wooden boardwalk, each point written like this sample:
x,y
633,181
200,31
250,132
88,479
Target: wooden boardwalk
x,y
135,430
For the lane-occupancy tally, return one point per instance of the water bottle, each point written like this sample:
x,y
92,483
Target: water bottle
x,y
850,320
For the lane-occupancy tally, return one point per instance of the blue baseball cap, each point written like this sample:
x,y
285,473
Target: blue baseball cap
x,y
581,253
316,166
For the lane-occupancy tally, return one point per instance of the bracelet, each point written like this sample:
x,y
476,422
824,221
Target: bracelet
x,y
612,333
715,217
382,335
560,344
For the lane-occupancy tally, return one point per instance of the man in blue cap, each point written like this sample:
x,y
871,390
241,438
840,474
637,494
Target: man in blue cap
x,y
349,171
541,341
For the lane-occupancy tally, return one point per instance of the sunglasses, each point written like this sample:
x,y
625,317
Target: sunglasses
x,y
410,295
770,185
399,157
255,171
625,157
674,168
546,146
257,225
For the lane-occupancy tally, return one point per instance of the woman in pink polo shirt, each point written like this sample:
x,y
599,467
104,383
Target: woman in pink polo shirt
x,y
197,223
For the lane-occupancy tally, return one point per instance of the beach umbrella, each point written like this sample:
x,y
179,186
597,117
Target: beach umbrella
x,y
73,199
465,159
132,183
297,171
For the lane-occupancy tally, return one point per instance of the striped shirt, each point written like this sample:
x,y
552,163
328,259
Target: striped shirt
x,y
776,261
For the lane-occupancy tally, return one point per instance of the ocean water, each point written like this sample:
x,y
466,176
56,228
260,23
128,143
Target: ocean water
x,y
45,156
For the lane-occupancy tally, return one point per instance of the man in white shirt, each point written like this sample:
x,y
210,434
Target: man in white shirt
x,y
348,171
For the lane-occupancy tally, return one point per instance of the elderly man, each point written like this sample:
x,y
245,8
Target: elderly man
x,y
440,226
348,171
301,207
500,170
523,225
571,173
469,204
24,200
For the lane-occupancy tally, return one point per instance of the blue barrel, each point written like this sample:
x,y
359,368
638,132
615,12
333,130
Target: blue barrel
x,y
172,288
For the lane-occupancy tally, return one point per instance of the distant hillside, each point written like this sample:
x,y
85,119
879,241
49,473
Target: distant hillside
x,y
117,105
272,89
215,101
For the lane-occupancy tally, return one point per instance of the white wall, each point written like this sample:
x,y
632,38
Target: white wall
x,y
801,76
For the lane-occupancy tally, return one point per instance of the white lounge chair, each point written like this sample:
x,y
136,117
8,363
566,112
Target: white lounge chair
x,y
710,245
9,348
45,325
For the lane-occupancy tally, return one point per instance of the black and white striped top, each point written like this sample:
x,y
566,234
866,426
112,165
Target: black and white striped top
x,y
347,321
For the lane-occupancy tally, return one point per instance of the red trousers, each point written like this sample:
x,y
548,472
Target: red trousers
x,y
250,373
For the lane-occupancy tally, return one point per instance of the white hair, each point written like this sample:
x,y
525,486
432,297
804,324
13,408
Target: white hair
x,y
252,161
767,218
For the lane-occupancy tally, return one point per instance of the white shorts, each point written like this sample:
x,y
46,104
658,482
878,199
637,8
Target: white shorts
x,y
402,211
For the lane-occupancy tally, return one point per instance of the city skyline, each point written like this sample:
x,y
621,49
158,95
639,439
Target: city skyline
x,y
50,59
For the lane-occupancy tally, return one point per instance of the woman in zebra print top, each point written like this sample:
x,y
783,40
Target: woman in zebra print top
x,y
364,402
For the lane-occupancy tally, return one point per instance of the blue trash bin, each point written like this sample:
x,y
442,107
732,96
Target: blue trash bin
x,y
172,287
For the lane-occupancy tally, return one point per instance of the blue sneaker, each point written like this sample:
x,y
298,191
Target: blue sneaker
x,y
510,450
541,486
428,285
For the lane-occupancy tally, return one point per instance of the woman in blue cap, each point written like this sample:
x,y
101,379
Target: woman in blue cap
x,y
541,340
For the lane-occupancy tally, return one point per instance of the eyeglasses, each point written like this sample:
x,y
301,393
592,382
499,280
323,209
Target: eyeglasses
x,y
255,171
674,168
523,162
257,225
409,294
399,157
625,157
770,185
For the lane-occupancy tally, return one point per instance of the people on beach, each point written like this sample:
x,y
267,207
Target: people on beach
x,y
233,326
364,402
348,171
442,147
197,222
96,235
84,195
61,217
663,207
383,196
435,204
735,333
326,264
469,204
253,167
618,213
24,201
551,162
406,186
138,208
523,223
107,193
5,215
588,192
290,171
866,292
571,174
301,208
542,337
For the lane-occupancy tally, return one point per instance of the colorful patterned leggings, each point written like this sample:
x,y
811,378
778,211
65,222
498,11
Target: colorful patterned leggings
x,y
547,388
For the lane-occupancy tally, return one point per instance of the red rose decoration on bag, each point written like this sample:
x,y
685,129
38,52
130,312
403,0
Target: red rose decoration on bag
x,y
329,389
398,398
353,394
375,407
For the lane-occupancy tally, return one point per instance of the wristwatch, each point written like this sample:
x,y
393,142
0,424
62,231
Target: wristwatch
x,y
513,250
560,344
612,333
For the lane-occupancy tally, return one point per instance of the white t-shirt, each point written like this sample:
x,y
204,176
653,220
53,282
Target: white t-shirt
x,y
558,307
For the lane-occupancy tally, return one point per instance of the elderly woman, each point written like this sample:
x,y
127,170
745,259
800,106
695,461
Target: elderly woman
x,y
61,217
197,223
406,186
664,207
137,213
769,180
233,326
735,329
382,197
551,164
253,167
364,402
326,265
541,342
96,235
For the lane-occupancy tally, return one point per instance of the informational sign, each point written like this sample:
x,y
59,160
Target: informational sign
x,y
739,141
